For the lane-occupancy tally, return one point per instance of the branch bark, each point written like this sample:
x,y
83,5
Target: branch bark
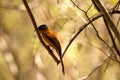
x,y
100,7
39,36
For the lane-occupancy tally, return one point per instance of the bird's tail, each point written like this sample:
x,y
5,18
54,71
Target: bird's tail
x,y
63,70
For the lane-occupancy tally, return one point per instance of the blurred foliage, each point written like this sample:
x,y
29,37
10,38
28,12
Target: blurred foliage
x,y
22,57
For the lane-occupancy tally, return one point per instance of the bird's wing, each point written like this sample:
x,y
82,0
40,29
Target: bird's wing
x,y
53,41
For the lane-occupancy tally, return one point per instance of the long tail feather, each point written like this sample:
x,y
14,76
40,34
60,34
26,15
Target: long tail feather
x,y
63,70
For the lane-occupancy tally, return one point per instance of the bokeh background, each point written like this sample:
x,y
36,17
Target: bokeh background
x,y
22,57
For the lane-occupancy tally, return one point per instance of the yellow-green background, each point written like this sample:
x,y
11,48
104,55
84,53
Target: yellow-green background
x,y
22,57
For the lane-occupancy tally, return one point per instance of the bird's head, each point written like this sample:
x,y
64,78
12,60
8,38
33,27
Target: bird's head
x,y
42,27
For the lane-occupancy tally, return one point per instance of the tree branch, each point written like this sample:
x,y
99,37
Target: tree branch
x,y
39,36
100,7
98,66
85,25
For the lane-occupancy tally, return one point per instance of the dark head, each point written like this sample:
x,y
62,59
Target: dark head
x,y
42,27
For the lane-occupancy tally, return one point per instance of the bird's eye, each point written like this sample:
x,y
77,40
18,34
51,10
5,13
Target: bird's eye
x,y
42,27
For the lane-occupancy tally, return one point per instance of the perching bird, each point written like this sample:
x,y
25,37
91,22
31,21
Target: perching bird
x,y
50,38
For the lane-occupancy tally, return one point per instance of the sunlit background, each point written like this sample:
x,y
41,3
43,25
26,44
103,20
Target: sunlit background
x,y
22,56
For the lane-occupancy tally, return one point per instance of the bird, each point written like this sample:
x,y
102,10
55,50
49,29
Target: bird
x,y
50,38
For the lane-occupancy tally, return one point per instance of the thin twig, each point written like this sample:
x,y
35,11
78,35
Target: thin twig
x,y
111,37
98,66
84,26
117,5
92,23
102,40
77,6
85,12
108,62
89,8
100,7
105,43
95,17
